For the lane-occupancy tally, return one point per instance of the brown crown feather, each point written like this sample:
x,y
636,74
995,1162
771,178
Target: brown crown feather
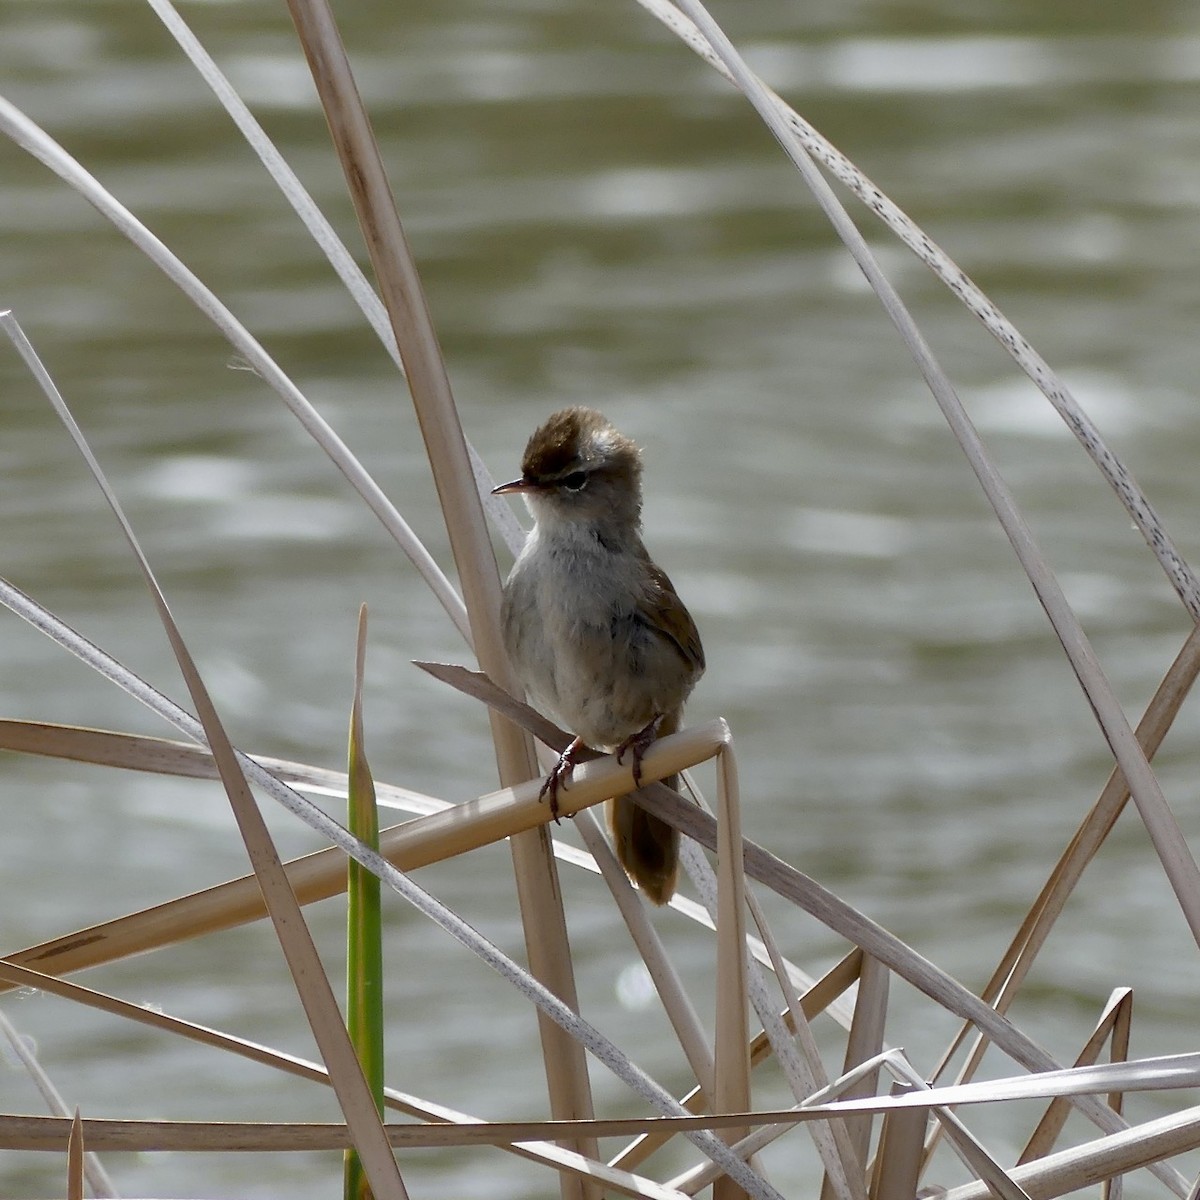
x,y
577,438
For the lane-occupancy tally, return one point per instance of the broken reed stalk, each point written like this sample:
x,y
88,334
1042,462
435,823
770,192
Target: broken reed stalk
x,y
539,896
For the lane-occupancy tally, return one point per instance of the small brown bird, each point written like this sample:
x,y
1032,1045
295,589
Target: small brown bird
x,y
593,626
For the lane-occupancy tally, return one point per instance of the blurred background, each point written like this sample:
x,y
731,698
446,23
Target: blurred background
x,y
600,219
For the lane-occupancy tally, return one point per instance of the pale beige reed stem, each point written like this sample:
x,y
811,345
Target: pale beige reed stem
x,y
539,897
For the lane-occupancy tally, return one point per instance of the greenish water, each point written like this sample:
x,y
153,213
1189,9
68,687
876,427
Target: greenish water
x,y
600,220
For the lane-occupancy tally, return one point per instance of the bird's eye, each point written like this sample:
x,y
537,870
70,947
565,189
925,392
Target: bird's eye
x,y
575,481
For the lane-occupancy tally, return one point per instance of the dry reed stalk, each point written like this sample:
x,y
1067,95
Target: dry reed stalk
x,y
304,964
151,1136
539,896
1160,822
39,145
927,251
804,1070
323,235
832,911
1095,1162
909,965
75,1160
731,1077
971,1151
163,756
23,1053
1157,720
865,933
1067,1170
1114,1024
408,846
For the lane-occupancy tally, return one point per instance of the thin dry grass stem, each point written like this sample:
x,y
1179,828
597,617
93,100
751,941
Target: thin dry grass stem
x,y
1176,1071
323,235
108,667
50,1133
538,892
1055,1175
677,1004
905,962
1178,573
1160,715
864,1043
23,1052
731,1083
829,990
162,756
971,1151
36,142
1113,1027
818,1105
1157,816
512,813
898,1164
312,984
839,916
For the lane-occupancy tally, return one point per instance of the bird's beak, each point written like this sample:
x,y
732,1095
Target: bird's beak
x,y
515,485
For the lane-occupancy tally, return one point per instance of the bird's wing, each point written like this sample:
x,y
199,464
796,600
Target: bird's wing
x,y
662,610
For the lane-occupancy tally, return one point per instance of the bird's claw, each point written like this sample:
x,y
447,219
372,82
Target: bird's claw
x,y
556,781
637,744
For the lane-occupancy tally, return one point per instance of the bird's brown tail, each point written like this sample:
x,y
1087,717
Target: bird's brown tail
x,y
647,847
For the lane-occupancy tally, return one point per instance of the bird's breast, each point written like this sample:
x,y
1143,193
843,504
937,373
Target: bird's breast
x,y
575,637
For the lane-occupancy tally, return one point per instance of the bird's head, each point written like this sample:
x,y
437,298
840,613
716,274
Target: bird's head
x,y
578,468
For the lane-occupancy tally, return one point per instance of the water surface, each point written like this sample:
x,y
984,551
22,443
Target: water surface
x,y
600,220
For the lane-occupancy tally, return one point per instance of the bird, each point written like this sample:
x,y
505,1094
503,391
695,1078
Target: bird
x,y
593,627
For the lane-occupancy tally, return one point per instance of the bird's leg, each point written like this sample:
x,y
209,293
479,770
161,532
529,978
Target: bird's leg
x,y
559,774
638,743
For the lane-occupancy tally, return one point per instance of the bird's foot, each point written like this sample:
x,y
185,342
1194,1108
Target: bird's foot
x,y
637,744
556,781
